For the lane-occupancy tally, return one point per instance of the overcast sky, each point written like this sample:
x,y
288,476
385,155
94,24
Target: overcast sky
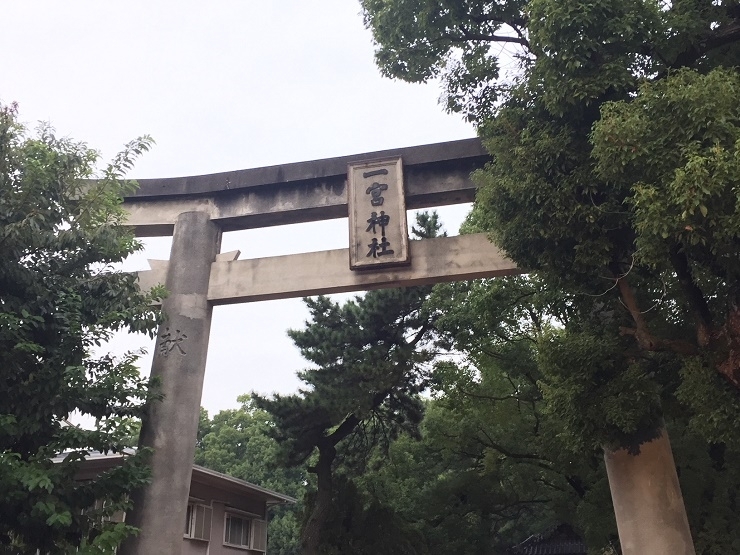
x,y
221,85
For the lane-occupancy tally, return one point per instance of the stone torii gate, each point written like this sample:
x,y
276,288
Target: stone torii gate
x,y
374,190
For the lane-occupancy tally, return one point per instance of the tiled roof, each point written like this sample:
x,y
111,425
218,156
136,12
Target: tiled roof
x,y
559,540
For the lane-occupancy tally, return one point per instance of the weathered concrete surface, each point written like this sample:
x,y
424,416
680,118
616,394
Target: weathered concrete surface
x,y
648,505
435,175
170,426
320,273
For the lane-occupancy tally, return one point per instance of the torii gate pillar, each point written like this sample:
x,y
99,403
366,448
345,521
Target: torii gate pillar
x,y
179,367
648,505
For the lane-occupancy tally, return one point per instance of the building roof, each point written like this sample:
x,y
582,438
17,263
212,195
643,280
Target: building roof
x,y
97,462
212,478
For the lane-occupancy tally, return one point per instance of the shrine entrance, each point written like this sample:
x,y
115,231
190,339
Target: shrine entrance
x,y
373,190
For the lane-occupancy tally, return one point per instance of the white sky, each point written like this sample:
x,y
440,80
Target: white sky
x,y
221,85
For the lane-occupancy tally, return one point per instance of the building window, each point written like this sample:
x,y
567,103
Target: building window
x,y
198,522
244,532
237,530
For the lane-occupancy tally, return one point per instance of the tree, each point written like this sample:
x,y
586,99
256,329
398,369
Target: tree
x,y
503,422
362,393
238,443
620,130
491,469
466,487
615,177
370,366
60,300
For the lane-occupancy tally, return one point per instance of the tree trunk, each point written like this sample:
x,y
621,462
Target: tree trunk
x,y
730,342
311,535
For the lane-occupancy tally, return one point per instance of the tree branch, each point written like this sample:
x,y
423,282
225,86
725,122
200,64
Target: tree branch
x,y
513,22
696,300
470,36
507,453
347,426
494,398
717,38
645,338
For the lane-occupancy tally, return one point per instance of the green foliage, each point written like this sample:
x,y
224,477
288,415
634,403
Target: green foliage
x,y
602,399
677,146
614,177
423,39
370,358
238,443
709,483
713,405
614,172
363,391
59,234
360,524
535,390
366,368
490,424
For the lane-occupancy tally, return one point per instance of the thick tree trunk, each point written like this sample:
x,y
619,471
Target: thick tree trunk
x,y
729,338
311,535
648,505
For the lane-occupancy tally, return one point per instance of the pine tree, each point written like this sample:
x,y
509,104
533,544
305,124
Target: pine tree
x,y
371,361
